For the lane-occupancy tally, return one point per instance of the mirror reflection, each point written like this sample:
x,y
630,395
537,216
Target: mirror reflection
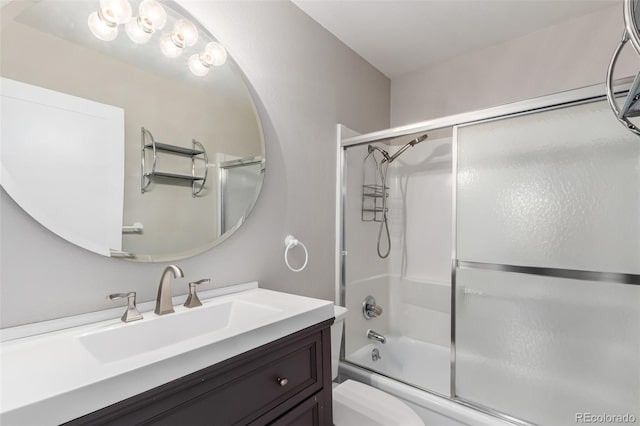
x,y
131,133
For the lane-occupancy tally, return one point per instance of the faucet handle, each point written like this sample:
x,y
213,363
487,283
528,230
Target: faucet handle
x,y
193,300
131,314
370,309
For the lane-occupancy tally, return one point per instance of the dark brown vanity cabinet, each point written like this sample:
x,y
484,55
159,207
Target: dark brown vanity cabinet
x,y
285,382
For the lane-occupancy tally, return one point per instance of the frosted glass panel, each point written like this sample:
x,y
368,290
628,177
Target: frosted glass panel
x,y
238,192
557,189
543,349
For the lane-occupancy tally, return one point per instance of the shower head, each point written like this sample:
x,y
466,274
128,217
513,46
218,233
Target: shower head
x,y
404,148
418,139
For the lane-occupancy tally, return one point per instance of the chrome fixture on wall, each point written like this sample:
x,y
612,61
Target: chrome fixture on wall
x,y
375,355
290,242
377,192
370,309
631,33
374,335
197,151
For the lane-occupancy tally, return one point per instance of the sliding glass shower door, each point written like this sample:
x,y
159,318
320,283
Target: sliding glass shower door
x,y
546,276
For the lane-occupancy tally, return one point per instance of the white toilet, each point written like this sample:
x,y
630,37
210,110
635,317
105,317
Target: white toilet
x,y
357,404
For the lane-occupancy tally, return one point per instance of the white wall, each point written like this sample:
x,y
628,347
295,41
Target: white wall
x,y
306,81
561,57
366,273
413,284
420,261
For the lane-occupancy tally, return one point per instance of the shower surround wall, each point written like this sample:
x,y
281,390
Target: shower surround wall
x,y
304,85
366,273
413,284
420,261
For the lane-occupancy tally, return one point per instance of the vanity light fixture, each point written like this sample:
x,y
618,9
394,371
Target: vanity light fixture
x,y
104,22
214,54
184,34
152,17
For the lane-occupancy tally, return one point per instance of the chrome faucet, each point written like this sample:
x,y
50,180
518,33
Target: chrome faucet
x,y
164,304
132,313
374,335
193,300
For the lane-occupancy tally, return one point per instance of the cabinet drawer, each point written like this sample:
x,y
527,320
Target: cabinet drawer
x,y
251,393
308,413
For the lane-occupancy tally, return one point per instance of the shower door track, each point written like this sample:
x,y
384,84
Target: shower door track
x,y
574,274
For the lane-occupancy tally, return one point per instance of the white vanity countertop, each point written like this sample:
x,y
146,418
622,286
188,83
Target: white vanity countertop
x,y
52,378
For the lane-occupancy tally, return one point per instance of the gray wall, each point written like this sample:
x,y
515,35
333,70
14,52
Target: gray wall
x,y
566,56
306,81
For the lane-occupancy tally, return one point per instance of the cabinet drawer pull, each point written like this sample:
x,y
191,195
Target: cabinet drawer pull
x,y
282,381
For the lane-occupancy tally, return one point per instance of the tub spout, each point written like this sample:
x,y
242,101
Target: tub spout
x,y
373,335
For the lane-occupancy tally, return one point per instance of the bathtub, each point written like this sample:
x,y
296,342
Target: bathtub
x,y
423,365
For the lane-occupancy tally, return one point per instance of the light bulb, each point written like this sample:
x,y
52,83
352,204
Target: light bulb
x,y
185,33
152,17
168,46
137,32
153,14
216,54
115,11
197,65
101,29
104,23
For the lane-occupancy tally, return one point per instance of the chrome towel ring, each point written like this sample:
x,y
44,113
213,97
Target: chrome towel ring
x,y
289,243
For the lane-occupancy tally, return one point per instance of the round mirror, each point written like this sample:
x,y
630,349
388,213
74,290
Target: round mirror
x,y
126,128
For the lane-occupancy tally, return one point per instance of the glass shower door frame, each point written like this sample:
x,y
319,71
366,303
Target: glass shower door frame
x,y
548,272
559,100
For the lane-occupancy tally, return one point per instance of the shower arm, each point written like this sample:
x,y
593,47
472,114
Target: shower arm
x,y
404,148
398,153
384,153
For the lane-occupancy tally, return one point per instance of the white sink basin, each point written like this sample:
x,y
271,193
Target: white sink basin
x,y
68,371
116,342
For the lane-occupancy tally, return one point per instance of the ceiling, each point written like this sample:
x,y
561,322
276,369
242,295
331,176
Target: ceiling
x,y
400,36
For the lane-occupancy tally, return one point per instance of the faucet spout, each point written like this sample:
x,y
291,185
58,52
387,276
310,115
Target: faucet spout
x,y
164,304
374,335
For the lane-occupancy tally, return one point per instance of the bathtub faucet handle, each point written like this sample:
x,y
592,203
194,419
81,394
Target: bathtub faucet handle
x,y
370,309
